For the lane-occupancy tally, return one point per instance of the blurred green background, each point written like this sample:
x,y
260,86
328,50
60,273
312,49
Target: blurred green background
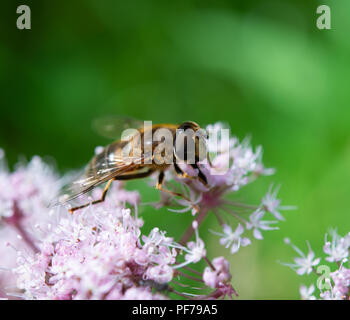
x,y
261,66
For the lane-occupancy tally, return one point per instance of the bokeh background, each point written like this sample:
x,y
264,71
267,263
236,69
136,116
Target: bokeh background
x,y
261,66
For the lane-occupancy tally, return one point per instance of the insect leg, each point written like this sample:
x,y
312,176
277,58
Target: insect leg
x,y
104,193
201,177
159,186
181,173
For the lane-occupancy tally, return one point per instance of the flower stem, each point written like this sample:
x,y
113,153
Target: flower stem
x,y
209,263
180,294
26,238
15,222
189,276
192,270
189,232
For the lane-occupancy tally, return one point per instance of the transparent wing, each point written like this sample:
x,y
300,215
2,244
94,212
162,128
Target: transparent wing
x,y
112,126
100,170
86,183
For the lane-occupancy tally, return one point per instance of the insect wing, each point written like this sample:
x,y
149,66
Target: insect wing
x,y
112,127
93,176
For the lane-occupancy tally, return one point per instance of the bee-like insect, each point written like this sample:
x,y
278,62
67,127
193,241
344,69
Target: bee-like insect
x,y
112,163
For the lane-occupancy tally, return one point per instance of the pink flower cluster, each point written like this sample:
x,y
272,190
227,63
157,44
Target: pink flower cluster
x,y
331,285
94,255
99,252
24,197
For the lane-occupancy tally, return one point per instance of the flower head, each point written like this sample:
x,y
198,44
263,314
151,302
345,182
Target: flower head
x,y
338,248
195,250
256,223
304,263
218,274
232,239
306,293
341,280
271,204
332,285
93,256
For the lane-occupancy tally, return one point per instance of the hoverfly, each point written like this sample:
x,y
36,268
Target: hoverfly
x,y
112,164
